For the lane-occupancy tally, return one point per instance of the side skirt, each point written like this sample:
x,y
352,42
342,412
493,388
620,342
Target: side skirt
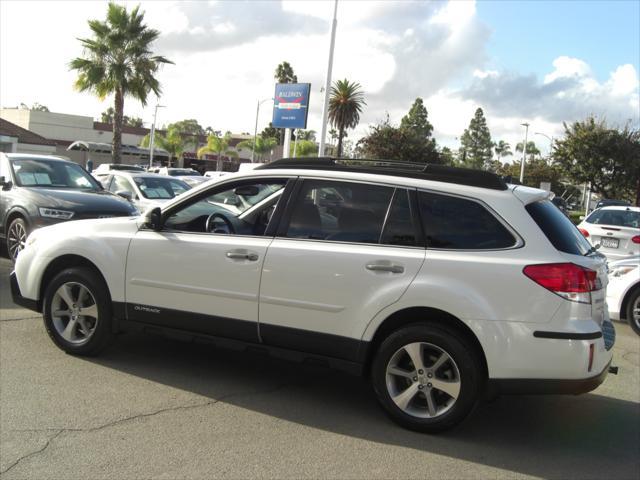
x,y
352,368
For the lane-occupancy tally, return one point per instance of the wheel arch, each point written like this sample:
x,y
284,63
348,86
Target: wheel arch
x,y
12,215
60,263
424,315
625,300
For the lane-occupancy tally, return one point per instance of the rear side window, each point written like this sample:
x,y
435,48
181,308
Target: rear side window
x,y
454,223
340,211
562,234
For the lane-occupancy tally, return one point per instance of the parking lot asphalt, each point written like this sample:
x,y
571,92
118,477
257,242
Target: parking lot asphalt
x,y
155,408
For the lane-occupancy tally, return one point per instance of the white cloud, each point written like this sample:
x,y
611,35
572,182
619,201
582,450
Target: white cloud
x,y
567,67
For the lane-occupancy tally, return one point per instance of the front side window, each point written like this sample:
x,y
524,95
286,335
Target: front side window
x,y
454,223
121,184
34,172
239,208
340,211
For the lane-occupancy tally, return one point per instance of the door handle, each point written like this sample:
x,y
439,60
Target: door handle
x,y
385,267
236,255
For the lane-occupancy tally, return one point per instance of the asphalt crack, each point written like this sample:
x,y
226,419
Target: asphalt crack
x,y
34,453
19,319
120,421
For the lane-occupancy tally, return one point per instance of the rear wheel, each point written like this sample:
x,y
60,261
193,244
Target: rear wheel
x,y
16,237
633,310
426,377
77,311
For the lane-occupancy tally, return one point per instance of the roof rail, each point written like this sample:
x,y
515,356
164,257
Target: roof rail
x,y
423,171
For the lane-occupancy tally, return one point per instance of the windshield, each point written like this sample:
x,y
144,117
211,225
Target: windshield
x,y
154,187
34,172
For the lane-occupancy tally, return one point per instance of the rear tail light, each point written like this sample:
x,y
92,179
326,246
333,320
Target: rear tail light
x,y
572,282
584,233
636,239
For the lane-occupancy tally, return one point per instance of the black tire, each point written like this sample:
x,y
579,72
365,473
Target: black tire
x,y
462,366
101,335
16,237
633,298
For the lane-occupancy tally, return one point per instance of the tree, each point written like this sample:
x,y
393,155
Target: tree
x,y
304,148
345,105
262,146
385,141
284,73
415,125
190,130
477,147
532,149
606,157
306,135
537,170
447,157
219,146
118,60
172,141
108,115
502,149
417,120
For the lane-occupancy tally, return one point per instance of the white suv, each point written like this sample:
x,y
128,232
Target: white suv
x,y
441,284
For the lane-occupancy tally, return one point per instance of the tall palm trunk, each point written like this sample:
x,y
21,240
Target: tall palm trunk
x,y
117,126
340,135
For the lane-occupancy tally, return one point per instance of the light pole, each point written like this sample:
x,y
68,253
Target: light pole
x,y
153,134
524,150
255,130
327,85
550,141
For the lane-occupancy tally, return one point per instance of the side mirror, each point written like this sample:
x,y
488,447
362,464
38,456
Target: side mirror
x,y
153,218
6,185
124,194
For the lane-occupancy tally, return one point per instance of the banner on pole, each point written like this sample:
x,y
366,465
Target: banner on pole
x,y
291,105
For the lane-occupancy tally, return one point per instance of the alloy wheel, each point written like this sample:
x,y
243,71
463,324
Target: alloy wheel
x,y
635,312
16,239
74,313
423,380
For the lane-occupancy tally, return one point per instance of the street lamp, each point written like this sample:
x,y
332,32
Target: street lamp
x,y
548,138
255,130
524,150
327,85
153,133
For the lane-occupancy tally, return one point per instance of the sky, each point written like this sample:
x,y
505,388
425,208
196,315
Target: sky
x,y
540,62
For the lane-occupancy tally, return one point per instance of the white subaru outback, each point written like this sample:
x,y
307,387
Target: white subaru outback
x,y
440,284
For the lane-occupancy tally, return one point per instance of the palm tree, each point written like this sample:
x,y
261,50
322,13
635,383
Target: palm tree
x,y
345,105
284,73
262,146
118,60
502,149
173,142
532,150
219,146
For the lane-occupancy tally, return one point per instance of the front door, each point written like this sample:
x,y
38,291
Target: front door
x,y
201,272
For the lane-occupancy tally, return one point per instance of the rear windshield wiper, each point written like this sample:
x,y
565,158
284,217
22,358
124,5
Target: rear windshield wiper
x,y
593,249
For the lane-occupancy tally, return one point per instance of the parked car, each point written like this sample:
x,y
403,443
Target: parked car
x,y
214,174
615,229
39,190
612,203
178,172
144,190
439,284
623,291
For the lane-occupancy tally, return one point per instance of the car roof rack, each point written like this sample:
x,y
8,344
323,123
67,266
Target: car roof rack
x,y
422,171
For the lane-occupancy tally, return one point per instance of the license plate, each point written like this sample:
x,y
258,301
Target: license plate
x,y
610,242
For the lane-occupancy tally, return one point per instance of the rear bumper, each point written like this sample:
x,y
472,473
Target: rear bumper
x,y
17,297
529,386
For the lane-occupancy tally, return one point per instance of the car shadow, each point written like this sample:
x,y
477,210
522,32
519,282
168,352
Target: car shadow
x,y
587,436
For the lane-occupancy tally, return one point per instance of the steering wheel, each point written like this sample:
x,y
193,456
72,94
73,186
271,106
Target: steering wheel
x,y
218,223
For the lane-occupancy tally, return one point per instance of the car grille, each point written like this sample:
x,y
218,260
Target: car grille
x,y
609,334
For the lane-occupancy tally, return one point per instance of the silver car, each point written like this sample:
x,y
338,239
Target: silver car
x,y
144,190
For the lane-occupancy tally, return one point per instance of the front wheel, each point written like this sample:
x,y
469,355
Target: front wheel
x,y
77,312
426,377
633,310
16,237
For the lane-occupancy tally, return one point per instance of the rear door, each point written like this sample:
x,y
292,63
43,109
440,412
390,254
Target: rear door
x,y
345,251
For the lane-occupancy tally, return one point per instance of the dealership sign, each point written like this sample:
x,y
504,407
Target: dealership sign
x,y
291,105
